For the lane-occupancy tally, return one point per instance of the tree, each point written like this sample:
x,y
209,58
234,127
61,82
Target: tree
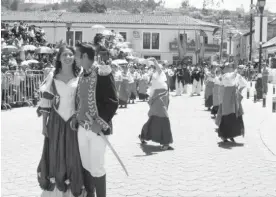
x,y
55,6
6,3
14,5
92,6
185,4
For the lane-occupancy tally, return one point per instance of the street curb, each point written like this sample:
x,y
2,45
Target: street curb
x,y
261,134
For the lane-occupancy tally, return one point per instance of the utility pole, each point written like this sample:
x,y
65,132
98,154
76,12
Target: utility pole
x,y
221,40
251,30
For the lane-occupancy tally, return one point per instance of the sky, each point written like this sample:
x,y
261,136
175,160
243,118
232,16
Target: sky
x,y
228,4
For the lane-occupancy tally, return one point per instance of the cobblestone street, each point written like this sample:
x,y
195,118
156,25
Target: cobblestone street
x,y
199,166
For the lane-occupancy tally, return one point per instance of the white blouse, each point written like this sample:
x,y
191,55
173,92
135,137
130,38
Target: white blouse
x,y
67,93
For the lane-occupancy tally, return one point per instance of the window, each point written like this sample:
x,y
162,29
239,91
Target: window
x,y
124,34
78,36
70,38
151,40
73,36
155,41
146,41
205,40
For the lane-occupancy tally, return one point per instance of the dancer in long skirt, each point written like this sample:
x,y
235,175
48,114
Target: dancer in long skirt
x,y
195,78
231,122
186,79
158,128
209,89
143,85
96,103
217,83
179,80
132,85
60,169
124,92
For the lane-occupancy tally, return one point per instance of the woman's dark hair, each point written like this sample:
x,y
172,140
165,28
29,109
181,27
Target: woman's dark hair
x,y
58,66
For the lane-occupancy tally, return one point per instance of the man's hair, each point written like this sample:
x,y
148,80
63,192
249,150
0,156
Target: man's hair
x,y
86,48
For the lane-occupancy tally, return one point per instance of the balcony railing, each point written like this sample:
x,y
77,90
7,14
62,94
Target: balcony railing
x,y
212,48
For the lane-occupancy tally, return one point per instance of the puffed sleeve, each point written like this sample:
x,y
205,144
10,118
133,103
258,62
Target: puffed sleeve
x,y
241,81
44,104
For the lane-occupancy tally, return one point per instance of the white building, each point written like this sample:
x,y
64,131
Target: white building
x,y
150,35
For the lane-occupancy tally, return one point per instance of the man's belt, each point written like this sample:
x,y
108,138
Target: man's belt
x,y
87,125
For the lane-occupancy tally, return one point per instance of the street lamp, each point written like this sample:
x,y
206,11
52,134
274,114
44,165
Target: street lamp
x,y
68,26
261,5
230,35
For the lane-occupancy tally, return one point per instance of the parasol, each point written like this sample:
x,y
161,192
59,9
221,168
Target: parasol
x,y
119,61
107,32
32,61
45,50
126,50
29,48
9,49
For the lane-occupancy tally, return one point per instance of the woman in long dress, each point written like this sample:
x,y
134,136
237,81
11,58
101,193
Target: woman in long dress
x,y
143,85
230,121
60,169
158,128
209,89
124,92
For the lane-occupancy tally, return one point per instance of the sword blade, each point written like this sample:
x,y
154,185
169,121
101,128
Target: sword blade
x,y
114,152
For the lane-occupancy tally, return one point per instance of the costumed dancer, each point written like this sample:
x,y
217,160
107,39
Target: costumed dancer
x,y
217,83
259,86
60,168
179,80
231,123
186,79
132,84
143,85
195,78
158,128
124,88
117,77
209,89
171,80
97,103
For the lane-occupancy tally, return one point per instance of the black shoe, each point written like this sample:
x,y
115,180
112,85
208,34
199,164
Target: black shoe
x,y
142,140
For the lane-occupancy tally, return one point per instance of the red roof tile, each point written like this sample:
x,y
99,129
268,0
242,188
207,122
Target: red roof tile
x,y
102,18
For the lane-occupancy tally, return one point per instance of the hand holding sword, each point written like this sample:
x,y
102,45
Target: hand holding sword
x,y
97,129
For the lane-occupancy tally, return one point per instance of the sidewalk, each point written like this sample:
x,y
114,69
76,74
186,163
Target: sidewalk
x,y
265,116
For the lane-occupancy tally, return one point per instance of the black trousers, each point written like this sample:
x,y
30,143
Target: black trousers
x,y
94,183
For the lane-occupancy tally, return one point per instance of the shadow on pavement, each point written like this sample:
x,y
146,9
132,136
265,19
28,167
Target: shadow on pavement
x,y
229,145
149,150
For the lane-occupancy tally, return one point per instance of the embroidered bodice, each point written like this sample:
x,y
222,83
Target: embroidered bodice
x,y
67,93
64,96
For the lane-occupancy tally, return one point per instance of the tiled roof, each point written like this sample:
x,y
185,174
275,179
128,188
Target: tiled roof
x,y
102,18
271,42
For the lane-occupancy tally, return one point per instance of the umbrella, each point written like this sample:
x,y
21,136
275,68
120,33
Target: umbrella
x,y
130,57
119,61
107,32
9,49
29,48
45,50
126,50
32,61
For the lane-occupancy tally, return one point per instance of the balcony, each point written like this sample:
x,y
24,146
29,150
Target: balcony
x,y
211,48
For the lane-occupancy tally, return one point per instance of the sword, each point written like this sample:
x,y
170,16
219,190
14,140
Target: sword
x,y
109,145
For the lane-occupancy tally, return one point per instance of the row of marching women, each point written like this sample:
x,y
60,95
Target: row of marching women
x,y
130,83
223,96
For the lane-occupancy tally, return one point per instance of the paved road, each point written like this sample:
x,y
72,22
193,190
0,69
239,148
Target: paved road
x,y
199,165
